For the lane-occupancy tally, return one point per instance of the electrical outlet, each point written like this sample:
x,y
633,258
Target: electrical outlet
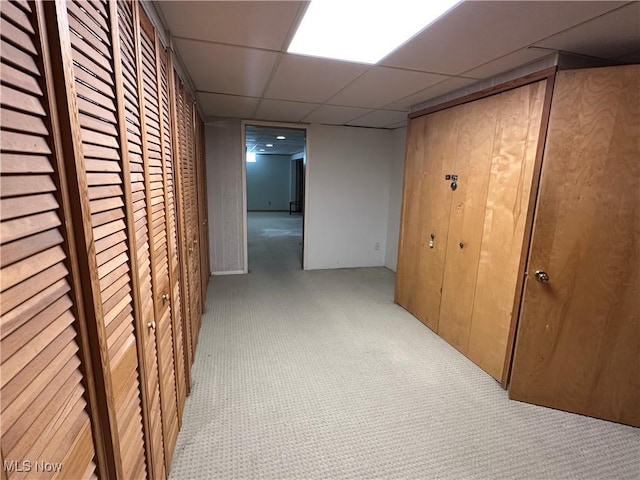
x,y
376,247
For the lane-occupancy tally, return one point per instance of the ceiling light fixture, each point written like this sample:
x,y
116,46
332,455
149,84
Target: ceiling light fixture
x,y
363,31
262,149
281,137
269,145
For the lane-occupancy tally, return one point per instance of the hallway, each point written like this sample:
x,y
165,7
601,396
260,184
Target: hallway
x,y
320,375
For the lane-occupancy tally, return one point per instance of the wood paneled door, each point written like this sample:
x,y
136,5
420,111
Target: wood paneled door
x,y
467,193
578,342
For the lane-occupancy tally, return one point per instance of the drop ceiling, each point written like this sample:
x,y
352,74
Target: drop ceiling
x,y
235,54
258,137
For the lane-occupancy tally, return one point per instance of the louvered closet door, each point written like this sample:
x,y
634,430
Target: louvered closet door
x,y
183,210
192,220
202,213
92,55
172,232
138,168
45,415
157,218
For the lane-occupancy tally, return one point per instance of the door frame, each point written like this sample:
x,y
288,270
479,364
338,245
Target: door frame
x,y
305,167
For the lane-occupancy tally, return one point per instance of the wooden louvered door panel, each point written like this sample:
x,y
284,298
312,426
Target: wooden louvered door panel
x,y
202,213
172,232
138,167
91,28
182,185
158,229
192,220
45,413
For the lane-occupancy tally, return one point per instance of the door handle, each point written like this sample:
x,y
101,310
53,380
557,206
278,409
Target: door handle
x,y
542,276
165,297
151,325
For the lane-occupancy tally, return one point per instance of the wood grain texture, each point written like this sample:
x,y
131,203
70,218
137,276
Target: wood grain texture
x,y
503,232
425,212
43,389
578,340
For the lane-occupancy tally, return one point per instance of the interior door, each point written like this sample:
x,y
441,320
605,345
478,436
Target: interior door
x,y
140,206
425,216
155,152
578,342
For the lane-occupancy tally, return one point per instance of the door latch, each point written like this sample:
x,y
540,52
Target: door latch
x,y
454,180
432,242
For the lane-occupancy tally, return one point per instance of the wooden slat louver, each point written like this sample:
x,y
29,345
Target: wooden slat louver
x,y
154,151
172,231
138,168
91,29
45,404
178,93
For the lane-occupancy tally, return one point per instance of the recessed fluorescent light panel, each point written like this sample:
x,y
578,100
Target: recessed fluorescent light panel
x,y
363,31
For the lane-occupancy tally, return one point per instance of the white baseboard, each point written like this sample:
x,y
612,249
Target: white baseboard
x,y
230,272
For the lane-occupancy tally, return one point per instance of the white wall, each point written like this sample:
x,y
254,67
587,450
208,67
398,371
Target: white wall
x,y
269,182
347,196
225,184
395,198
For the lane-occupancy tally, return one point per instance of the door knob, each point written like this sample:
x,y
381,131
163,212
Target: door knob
x,y
165,296
152,325
542,276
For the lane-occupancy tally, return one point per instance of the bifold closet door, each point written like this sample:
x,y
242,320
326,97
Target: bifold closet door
x,y
129,53
496,148
154,153
425,216
468,182
47,410
169,158
102,188
578,341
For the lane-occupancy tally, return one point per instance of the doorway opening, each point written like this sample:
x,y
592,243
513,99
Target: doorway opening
x,y
275,197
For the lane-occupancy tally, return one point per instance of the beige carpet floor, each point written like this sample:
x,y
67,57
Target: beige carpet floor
x,y
318,375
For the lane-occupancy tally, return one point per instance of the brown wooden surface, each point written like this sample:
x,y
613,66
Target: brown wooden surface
x,y
43,396
145,336
172,232
578,341
425,212
515,145
176,132
154,152
120,306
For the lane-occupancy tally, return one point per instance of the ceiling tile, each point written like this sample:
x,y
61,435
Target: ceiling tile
x,y
310,79
508,62
227,105
381,85
224,69
332,115
475,33
594,38
449,85
283,111
379,119
249,23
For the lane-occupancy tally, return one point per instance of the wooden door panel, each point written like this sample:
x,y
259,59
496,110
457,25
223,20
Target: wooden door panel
x,y
138,167
173,264
474,133
104,169
507,214
426,204
45,411
578,340
156,196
